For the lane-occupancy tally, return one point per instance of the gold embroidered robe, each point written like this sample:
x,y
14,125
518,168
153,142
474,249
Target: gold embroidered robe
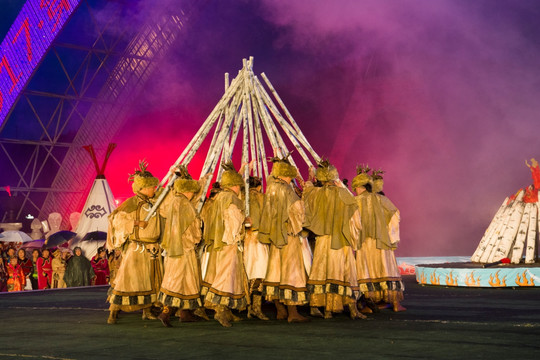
x,y
333,216
281,223
140,273
225,281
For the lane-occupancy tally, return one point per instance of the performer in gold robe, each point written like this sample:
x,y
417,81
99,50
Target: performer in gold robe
x,y
225,283
378,273
138,280
255,253
58,265
333,216
181,285
280,226
206,215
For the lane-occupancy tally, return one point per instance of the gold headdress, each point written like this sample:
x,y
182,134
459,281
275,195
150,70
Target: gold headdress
x,y
326,171
142,178
230,176
362,178
378,181
185,183
283,167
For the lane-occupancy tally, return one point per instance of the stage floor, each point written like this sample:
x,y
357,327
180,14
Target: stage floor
x,y
440,323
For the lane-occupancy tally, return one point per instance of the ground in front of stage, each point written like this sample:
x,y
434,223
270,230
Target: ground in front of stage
x,y
440,323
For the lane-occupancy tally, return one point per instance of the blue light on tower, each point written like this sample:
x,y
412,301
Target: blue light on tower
x,y
26,43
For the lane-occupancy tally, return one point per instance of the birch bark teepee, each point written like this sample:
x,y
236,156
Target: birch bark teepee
x,y
245,107
514,228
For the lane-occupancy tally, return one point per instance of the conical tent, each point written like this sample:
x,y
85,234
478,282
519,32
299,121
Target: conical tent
x,y
513,232
246,112
99,204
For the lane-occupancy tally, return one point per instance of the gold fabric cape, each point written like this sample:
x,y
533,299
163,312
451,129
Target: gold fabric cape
x,y
256,199
214,226
376,211
275,212
180,214
329,210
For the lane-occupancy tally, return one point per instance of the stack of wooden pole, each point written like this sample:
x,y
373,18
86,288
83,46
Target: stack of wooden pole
x,y
513,230
246,107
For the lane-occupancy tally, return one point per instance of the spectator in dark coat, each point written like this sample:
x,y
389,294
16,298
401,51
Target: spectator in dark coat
x,y
79,271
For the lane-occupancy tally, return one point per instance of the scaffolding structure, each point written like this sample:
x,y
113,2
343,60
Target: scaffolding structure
x,y
99,65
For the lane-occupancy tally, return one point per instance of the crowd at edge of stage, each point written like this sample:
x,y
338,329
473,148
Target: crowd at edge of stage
x,y
56,268
306,244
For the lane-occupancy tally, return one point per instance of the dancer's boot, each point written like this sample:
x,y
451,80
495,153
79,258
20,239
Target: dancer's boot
x,y
255,308
315,312
281,310
396,306
147,314
327,314
201,312
355,314
165,315
187,316
222,316
294,316
113,317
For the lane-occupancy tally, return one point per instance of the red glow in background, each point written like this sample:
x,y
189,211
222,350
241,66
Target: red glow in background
x,y
442,95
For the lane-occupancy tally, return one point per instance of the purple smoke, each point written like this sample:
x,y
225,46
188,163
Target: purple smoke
x,y
443,95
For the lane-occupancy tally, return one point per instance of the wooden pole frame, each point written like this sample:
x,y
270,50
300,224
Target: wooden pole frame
x,y
248,105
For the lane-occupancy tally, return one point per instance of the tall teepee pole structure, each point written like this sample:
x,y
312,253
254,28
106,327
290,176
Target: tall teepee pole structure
x,y
243,112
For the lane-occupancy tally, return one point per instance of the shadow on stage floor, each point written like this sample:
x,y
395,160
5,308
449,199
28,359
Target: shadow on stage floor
x,y
440,323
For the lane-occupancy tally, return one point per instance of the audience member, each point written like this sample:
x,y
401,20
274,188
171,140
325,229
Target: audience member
x,y
16,280
44,270
79,271
3,277
34,278
59,268
27,267
101,266
8,254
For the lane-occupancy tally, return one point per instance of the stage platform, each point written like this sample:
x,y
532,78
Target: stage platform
x,y
470,274
407,264
440,323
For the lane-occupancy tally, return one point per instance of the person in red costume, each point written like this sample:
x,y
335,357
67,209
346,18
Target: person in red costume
x,y
531,192
26,263
16,280
101,266
45,270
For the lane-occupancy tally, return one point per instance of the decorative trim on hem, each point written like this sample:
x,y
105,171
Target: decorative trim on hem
x,y
332,288
213,297
132,300
181,303
285,293
391,285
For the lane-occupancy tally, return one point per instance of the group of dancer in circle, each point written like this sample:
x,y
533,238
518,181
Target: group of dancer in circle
x,y
307,243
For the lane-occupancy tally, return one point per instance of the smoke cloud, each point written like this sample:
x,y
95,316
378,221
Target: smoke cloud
x,y
442,95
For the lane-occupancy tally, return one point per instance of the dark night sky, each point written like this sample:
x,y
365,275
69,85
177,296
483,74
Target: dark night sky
x,y
443,95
